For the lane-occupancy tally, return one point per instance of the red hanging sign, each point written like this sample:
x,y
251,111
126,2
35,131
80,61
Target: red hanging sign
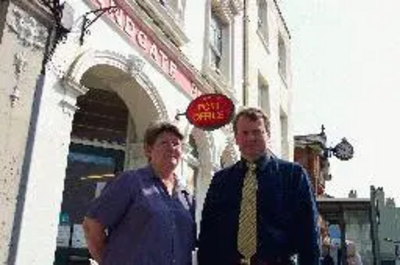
x,y
210,111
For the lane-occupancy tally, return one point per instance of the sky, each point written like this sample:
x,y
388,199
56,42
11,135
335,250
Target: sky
x,y
346,75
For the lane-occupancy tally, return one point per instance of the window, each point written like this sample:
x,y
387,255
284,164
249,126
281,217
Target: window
x,y
282,57
263,95
215,43
284,136
263,20
220,46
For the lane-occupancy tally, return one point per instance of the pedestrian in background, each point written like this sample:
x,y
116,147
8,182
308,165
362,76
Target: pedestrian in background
x,y
144,216
261,210
327,258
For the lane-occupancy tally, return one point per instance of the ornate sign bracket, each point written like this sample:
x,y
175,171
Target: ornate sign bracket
x,y
88,22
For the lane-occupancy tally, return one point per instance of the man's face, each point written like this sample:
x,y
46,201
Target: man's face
x,y
166,152
251,137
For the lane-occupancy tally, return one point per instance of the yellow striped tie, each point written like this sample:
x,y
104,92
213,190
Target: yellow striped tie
x,y
247,234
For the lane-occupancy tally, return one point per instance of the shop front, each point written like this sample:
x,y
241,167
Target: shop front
x,y
98,99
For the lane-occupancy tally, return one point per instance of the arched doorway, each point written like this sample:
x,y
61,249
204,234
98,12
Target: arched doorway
x,y
106,138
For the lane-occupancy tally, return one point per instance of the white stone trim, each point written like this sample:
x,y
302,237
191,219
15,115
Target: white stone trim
x,y
229,155
38,10
205,145
171,25
76,88
227,9
20,64
29,31
135,155
72,91
220,83
132,64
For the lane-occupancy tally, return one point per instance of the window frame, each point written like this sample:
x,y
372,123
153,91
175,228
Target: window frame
x,y
262,21
216,43
263,85
282,57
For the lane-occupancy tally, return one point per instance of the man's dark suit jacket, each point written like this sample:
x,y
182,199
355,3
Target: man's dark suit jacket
x,y
286,214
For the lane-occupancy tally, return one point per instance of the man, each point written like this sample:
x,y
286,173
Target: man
x,y
261,210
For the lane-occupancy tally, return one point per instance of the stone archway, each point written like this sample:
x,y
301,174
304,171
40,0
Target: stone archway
x,y
132,66
50,150
117,80
124,75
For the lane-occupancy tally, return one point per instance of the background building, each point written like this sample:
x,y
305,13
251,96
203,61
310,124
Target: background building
x,y
143,60
311,152
388,228
346,222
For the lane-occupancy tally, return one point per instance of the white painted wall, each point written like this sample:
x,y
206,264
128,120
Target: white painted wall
x,y
264,62
45,178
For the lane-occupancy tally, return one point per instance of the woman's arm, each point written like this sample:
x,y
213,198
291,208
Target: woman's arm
x,y
95,235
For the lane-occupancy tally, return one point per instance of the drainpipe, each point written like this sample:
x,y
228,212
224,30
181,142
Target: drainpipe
x,y
245,53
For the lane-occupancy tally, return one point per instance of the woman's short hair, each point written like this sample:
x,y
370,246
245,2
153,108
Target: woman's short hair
x,y
158,127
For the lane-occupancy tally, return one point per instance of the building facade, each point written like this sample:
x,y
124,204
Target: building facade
x,y
122,65
267,75
23,34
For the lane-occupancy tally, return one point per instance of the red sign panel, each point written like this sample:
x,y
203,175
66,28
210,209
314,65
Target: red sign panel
x,y
210,111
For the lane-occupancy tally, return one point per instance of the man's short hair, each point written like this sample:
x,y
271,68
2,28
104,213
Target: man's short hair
x,y
156,128
253,114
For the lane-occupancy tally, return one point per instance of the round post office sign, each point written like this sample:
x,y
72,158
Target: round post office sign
x,y
210,111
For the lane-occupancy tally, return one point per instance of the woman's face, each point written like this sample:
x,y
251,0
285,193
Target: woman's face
x,y
166,152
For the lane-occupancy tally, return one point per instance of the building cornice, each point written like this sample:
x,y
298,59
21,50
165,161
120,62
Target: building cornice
x,y
227,9
282,18
165,21
37,10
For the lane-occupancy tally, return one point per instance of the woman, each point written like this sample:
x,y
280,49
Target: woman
x,y
144,217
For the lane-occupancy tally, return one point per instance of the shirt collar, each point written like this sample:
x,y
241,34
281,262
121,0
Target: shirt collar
x,y
178,185
261,162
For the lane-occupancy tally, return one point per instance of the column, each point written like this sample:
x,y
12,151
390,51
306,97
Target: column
x,y
135,156
46,172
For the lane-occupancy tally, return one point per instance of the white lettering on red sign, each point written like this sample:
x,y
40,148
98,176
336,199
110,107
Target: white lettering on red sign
x,y
164,60
129,28
153,52
142,40
172,69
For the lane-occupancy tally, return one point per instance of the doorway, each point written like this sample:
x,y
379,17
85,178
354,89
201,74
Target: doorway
x,y
96,156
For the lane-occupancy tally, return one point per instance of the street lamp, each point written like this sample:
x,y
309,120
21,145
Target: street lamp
x,y
343,150
388,239
396,248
